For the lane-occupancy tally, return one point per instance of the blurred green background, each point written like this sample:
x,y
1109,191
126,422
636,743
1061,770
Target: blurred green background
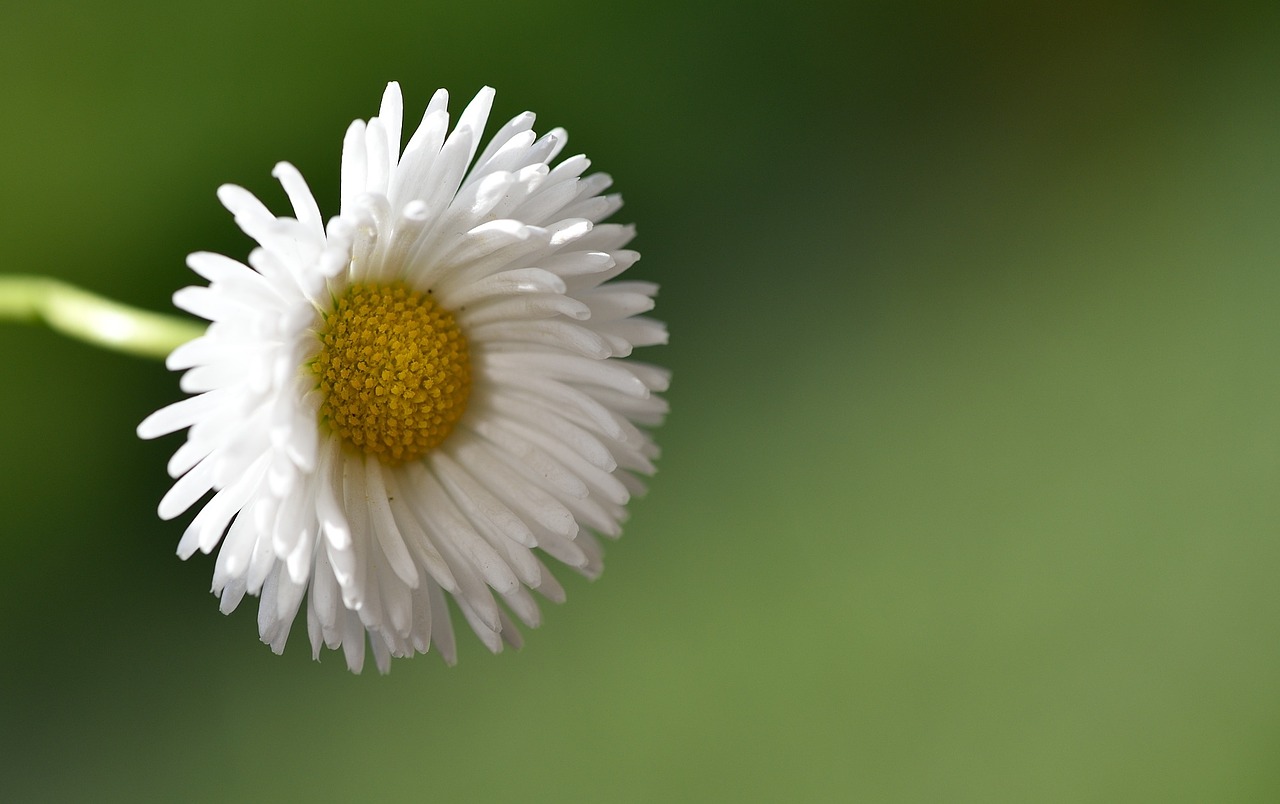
x,y
969,489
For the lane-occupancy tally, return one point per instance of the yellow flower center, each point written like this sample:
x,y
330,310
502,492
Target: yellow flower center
x,y
394,371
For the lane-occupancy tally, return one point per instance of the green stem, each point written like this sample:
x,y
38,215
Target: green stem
x,y
89,317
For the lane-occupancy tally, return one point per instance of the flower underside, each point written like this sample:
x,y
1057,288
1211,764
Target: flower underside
x,y
394,371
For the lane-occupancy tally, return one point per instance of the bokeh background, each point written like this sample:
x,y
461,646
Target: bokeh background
x,y
969,492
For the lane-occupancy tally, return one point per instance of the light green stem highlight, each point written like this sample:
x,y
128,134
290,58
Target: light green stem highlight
x,y
92,318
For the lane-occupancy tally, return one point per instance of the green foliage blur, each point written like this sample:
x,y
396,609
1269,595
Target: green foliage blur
x,y
969,492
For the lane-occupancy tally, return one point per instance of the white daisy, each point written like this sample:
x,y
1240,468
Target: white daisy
x,y
423,398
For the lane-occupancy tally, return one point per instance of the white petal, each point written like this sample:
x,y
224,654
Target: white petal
x,y
304,204
391,113
188,488
474,117
517,125
384,525
354,166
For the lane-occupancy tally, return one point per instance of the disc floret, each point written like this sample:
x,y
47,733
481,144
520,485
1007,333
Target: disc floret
x,y
394,371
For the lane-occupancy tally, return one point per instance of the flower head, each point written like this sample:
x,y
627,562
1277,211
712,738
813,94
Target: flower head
x,y
421,400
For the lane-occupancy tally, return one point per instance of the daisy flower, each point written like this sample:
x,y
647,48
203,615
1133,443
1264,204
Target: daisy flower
x,y
423,399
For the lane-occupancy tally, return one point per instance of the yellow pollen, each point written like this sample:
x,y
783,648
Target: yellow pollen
x,y
394,371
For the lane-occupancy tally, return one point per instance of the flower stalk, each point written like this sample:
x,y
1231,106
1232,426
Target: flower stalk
x,y
92,318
